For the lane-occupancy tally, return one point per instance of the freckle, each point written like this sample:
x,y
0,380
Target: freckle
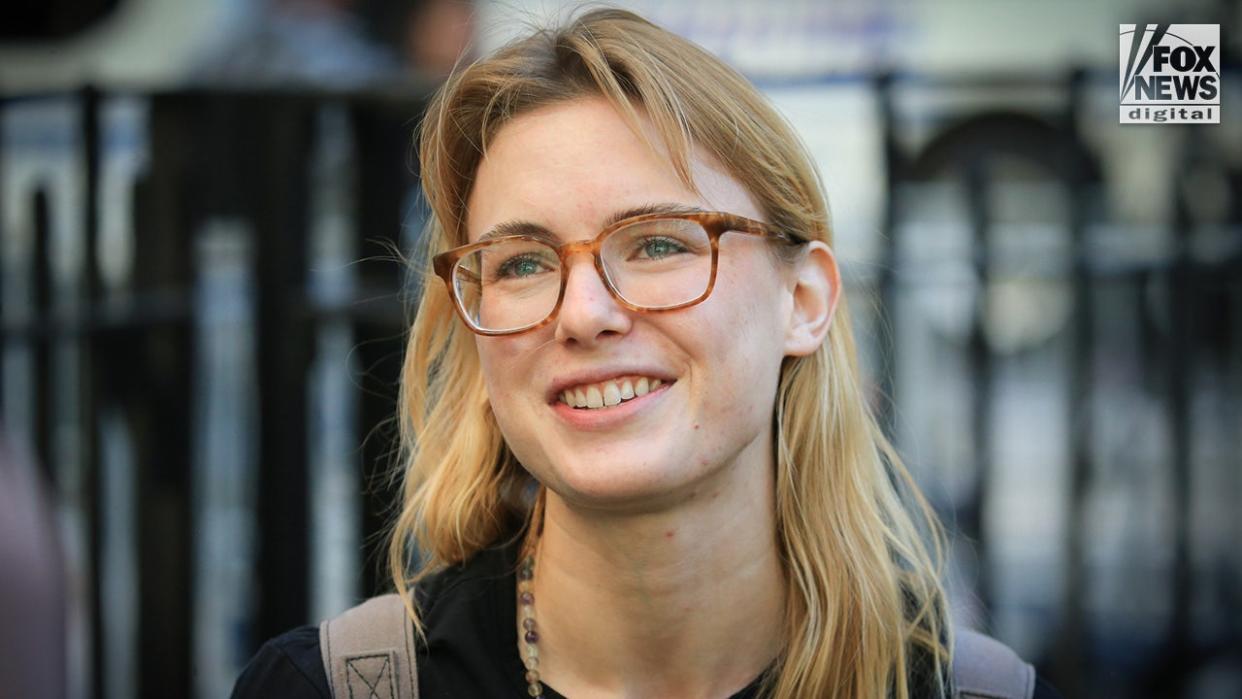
x,y
668,534
696,427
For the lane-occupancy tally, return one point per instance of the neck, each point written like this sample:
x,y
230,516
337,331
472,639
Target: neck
x,y
683,601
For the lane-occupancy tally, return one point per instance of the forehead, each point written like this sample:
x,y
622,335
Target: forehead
x,y
570,167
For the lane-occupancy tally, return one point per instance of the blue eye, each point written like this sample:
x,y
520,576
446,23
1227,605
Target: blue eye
x,y
519,266
659,247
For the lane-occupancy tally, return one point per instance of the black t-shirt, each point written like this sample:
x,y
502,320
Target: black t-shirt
x,y
471,648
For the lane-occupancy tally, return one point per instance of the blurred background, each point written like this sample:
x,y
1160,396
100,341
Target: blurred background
x,y
202,312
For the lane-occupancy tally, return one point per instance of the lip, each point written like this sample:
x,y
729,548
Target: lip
x,y
604,418
600,375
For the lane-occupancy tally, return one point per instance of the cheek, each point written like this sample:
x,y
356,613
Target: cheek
x,y
745,346
754,310
490,363
501,361
501,381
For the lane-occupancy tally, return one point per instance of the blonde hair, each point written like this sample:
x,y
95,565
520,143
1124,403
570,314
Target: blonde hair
x,y
866,611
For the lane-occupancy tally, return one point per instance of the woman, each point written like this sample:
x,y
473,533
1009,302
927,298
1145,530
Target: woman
x,y
639,458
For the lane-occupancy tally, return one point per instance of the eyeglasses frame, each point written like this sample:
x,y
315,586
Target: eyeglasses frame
x,y
715,223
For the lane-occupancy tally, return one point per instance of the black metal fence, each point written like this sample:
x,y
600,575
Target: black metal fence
x,y
239,162
257,249
1182,306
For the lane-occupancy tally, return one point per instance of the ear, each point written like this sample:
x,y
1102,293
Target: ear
x,y
816,290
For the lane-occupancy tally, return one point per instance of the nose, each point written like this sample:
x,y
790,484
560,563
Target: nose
x,y
589,313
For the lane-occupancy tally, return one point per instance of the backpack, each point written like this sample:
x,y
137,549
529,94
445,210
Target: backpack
x,y
368,653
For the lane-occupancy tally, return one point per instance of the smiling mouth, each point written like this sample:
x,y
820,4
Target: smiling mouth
x,y
606,394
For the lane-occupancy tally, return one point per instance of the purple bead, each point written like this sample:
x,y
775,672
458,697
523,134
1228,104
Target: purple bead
x,y
528,624
526,574
527,598
532,636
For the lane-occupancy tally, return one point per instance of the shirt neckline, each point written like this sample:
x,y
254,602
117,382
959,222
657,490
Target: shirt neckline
x,y
504,641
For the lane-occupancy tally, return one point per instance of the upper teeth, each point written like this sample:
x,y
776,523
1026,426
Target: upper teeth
x,y
608,393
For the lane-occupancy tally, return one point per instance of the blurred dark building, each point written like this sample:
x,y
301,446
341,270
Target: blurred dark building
x,y
32,21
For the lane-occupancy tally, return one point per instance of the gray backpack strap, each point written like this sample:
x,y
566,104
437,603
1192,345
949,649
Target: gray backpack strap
x,y
368,651
984,668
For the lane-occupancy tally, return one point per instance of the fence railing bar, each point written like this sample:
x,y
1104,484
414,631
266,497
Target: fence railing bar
x,y
1069,652
974,526
87,408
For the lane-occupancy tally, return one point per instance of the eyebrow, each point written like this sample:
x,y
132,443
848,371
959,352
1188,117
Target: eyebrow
x,y
534,230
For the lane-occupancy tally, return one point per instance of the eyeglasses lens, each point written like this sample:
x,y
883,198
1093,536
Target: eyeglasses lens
x,y
514,283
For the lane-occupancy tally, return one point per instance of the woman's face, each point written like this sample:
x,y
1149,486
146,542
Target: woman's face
x,y
569,168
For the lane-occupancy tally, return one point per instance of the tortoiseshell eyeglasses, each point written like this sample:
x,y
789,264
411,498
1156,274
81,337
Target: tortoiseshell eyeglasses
x,y
650,263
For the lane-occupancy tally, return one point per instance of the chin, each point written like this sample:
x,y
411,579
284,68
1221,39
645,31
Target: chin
x,y
620,485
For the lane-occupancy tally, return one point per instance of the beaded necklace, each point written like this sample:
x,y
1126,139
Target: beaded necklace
x,y
530,637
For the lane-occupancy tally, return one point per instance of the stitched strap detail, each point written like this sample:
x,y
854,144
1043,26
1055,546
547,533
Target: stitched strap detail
x,y
368,651
984,668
